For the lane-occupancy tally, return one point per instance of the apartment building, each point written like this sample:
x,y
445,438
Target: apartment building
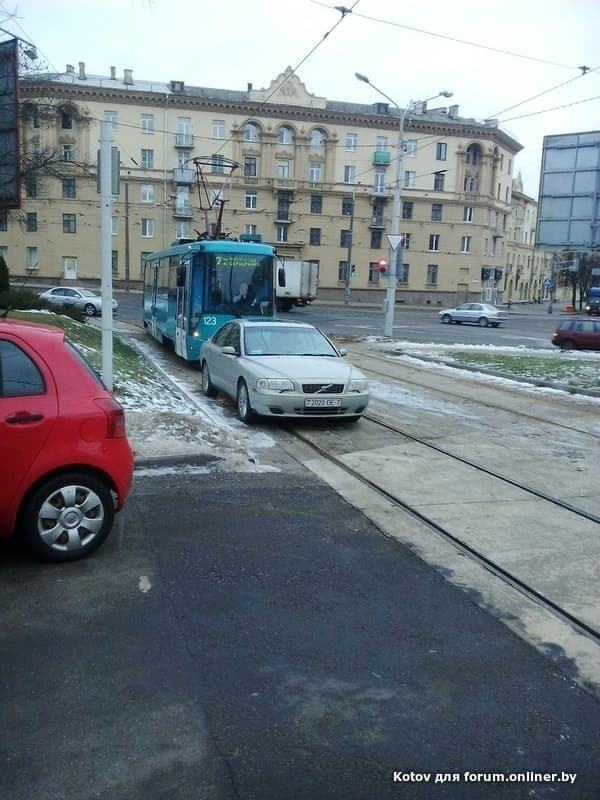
x,y
527,267
315,177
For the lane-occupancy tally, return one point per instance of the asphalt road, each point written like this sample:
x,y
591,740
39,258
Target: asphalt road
x,y
252,636
528,325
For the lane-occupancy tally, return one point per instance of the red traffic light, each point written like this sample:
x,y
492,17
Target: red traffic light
x,y
383,265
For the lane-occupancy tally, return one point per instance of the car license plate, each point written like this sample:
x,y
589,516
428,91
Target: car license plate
x,y
322,402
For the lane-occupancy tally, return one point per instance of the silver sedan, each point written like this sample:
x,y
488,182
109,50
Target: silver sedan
x,y
281,369
482,314
87,301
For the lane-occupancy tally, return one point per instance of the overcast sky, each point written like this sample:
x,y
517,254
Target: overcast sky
x,y
228,43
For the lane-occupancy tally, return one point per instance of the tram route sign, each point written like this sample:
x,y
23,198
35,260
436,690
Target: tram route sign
x,y
569,203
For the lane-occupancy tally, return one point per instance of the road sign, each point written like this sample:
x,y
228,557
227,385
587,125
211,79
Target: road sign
x,y
395,240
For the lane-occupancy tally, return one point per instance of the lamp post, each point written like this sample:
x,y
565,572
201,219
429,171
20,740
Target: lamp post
x,y
395,253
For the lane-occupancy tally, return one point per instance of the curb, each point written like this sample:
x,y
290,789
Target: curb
x,y
184,459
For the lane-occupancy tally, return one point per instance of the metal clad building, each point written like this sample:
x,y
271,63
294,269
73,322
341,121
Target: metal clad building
x,y
569,199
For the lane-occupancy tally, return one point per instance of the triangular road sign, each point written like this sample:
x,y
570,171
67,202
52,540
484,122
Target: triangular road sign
x,y
395,240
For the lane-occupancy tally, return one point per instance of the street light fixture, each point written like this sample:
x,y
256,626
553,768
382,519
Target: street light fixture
x,y
395,253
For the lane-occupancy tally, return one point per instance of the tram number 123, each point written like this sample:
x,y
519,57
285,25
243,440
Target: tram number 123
x,y
209,320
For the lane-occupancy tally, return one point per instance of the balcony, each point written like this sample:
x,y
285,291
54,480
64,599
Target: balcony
x,y
382,158
377,221
380,191
184,140
182,210
184,175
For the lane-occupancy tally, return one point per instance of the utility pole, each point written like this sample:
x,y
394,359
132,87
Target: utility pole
x,y
127,230
106,200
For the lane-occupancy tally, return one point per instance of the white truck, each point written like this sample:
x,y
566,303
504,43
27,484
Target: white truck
x,y
300,284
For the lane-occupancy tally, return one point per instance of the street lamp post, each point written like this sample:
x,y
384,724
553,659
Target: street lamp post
x,y
395,253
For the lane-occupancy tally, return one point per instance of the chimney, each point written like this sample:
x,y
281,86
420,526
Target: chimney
x,y
82,70
249,87
113,73
128,76
453,112
70,69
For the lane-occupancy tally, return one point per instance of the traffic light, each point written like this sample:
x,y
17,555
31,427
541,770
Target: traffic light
x,y
353,271
383,265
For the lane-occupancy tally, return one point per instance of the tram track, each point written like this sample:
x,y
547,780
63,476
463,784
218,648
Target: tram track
x,y
492,566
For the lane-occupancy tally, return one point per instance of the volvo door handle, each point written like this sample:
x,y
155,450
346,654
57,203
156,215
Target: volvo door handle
x,y
23,418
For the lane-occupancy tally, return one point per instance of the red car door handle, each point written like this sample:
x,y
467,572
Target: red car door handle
x,y
23,418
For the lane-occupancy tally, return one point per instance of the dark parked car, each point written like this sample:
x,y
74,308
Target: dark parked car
x,y
577,334
592,301
65,462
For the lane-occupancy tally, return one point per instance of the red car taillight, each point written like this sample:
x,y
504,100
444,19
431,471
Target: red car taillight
x,y
115,417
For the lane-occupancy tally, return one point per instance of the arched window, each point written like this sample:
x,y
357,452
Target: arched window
x,y
473,154
285,135
317,137
251,132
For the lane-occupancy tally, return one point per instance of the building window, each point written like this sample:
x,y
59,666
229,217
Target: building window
x,y
147,159
31,258
285,135
66,120
315,236
69,223
68,153
471,184
31,222
317,138
507,195
250,230
147,123
375,240
509,169
379,184
465,244
406,237
147,193
345,238
251,132
434,241
147,228
441,149
283,169
347,204
218,129
69,188
314,172
3,221
316,204
217,164
432,274
407,209
184,137
31,186
402,271
468,214
182,229
410,148
114,226
113,118
381,144
436,212
342,270
349,173
374,273
250,166
438,181
409,179
351,141
114,257
473,154
282,233
250,200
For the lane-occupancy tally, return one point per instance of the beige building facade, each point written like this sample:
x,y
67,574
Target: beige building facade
x,y
315,179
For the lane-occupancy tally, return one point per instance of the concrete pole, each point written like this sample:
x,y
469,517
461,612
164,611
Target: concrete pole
x,y
349,267
105,251
127,270
390,295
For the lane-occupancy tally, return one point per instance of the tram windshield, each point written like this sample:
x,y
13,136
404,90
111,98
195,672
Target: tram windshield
x,y
240,284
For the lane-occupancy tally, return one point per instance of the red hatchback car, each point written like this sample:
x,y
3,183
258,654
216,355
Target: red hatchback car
x,y
66,465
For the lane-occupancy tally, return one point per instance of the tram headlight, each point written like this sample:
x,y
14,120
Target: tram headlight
x,y
357,385
274,385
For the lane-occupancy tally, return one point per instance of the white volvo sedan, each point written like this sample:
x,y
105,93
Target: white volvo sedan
x,y
281,369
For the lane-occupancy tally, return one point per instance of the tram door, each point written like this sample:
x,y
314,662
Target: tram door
x,y
150,290
181,316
